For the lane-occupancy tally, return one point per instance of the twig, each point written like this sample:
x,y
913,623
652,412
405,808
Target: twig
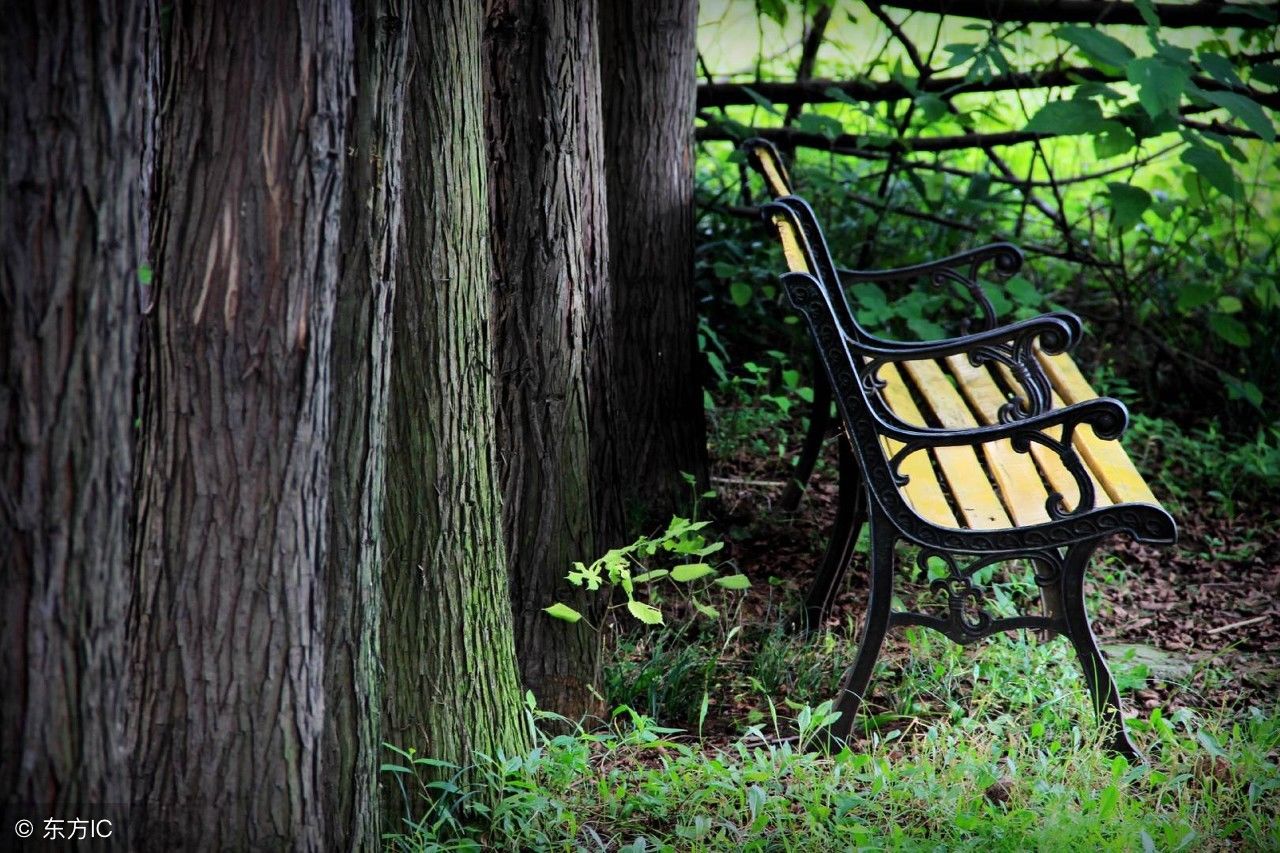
x,y
1241,624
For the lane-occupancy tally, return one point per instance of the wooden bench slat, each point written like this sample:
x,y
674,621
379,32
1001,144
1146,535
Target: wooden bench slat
x,y
922,491
1056,474
978,502
790,245
1108,459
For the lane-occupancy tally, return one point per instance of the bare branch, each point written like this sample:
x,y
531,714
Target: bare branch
x,y
1204,13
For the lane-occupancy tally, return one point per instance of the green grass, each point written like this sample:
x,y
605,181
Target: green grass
x,y
992,748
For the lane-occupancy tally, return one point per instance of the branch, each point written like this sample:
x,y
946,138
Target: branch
x,y
1204,13
808,57
817,91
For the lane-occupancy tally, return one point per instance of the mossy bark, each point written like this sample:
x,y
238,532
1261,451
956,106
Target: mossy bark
x,y
362,343
452,688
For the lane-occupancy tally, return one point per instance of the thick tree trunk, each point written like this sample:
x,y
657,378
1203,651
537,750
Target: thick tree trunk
x,y
361,376
231,537
76,106
647,56
542,109
452,688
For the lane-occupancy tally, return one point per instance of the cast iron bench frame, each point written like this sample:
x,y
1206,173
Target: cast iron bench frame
x,y
850,360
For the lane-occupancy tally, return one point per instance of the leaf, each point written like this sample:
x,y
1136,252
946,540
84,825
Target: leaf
x,y
563,611
1127,204
706,609
1268,74
734,582
646,614
691,572
1160,84
1220,68
1067,118
740,294
145,275
824,126
1230,329
762,101
1245,109
654,575
1230,305
1194,294
1115,139
1148,13
1097,45
1209,164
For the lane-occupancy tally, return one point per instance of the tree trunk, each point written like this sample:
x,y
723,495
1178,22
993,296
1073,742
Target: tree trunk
x,y
647,57
76,107
542,110
452,688
362,336
231,536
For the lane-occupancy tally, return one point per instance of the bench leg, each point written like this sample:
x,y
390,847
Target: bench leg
x,y
1106,698
874,627
850,515
819,422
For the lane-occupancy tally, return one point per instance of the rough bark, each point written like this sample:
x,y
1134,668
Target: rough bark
x,y
647,56
76,108
362,341
231,537
452,688
542,111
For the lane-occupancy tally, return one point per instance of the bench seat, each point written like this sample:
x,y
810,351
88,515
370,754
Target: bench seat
x,y
997,488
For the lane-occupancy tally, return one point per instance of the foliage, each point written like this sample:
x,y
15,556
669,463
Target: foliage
x,y
1142,186
682,546
1019,769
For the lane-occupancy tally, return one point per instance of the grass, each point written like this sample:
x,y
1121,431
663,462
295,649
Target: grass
x,y
991,748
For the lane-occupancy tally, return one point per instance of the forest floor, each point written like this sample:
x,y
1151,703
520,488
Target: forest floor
x,y
1198,623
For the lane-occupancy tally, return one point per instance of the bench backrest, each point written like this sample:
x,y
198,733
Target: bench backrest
x,y
765,159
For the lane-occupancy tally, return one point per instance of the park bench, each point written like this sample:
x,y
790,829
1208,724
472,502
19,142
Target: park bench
x,y
979,449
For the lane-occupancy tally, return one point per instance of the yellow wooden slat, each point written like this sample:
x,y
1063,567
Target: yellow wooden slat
x,y
774,172
790,244
965,476
922,491
1056,474
1016,473
1108,459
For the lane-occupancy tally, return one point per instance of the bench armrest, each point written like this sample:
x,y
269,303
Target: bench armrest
x,y
1107,416
959,271
1012,345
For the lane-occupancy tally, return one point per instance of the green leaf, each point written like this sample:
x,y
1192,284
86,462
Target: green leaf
x,y
740,294
1245,109
1230,329
1194,294
1115,139
1067,118
1096,45
1160,84
563,611
1220,68
762,101
705,609
1148,13
145,275
824,126
1127,204
1209,165
1268,74
775,9
734,582
1230,305
646,614
654,575
691,572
